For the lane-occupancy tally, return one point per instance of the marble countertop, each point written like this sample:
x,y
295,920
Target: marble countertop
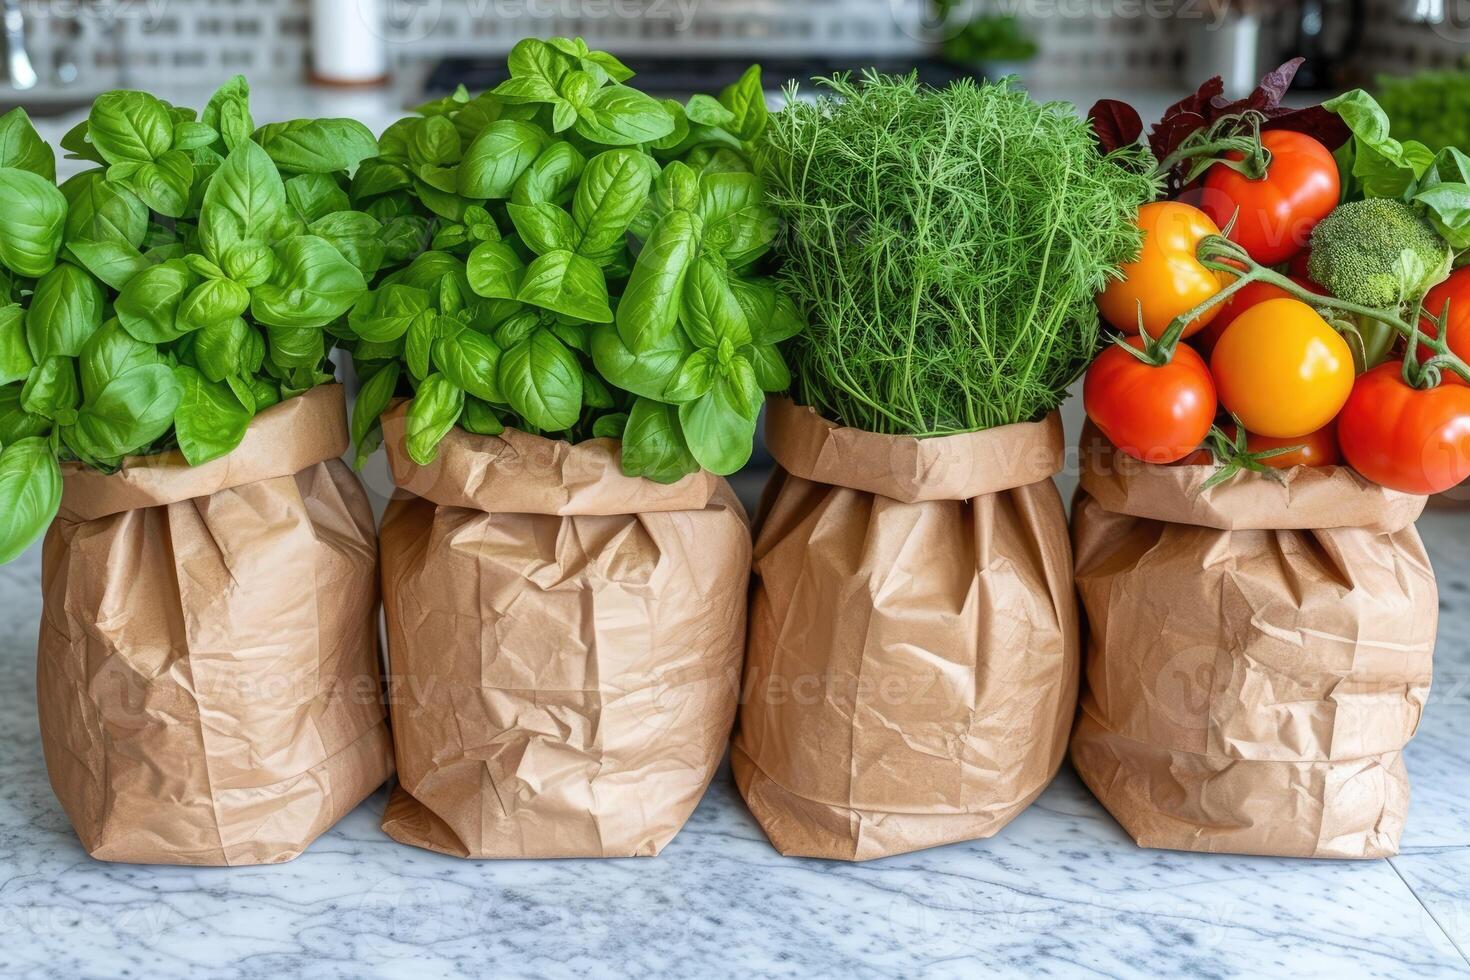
x,y
1061,891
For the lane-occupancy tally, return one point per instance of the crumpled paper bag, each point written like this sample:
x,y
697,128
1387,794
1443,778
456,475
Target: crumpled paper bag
x,y
913,666
565,646
1258,655
207,673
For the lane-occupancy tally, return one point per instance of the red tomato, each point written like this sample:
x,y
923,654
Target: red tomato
x,y
1313,449
1405,438
1279,211
1251,295
1156,414
1300,270
1454,292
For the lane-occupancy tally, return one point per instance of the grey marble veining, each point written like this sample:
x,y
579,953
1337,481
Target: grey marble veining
x,y
1062,892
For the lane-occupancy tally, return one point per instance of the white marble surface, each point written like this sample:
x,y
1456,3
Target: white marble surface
x,y
1061,892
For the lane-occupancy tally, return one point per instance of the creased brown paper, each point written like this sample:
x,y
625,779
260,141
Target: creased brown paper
x,y
207,672
565,644
1258,656
913,666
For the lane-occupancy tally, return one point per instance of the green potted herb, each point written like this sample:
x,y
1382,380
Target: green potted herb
x,y
210,576
947,246
571,347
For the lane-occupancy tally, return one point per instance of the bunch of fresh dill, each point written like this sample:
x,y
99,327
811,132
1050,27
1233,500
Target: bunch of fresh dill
x,y
947,246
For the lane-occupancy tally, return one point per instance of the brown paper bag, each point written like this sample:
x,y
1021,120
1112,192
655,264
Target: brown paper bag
x,y
1258,656
565,646
913,664
207,674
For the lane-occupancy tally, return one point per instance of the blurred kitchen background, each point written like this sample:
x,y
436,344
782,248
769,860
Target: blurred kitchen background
x,y
371,58
58,52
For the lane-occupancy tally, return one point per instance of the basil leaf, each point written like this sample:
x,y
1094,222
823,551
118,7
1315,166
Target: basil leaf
x,y
746,100
737,222
480,419
32,221
358,236
105,224
554,171
610,426
372,401
130,412
645,371
16,362
245,201
297,347
653,444
317,145
65,310
210,420
314,196
52,391
649,310
696,377
497,158
228,113
542,382
385,314
710,312
472,361
312,285
613,189
623,116
771,372
532,58
164,184
21,146
130,127
1382,165
719,433
707,111
148,306
432,413
30,494
569,284
220,348
213,301
543,227
495,271
111,353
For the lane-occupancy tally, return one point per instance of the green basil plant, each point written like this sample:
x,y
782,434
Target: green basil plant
x,y
569,256
162,298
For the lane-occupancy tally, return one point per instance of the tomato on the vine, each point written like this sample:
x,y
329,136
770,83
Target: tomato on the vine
x,y
1167,279
1454,292
1275,215
1313,449
1156,413
1252,294
1282,370
1406,438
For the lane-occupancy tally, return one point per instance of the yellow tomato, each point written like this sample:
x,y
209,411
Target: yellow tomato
x,y
1167,279
1282,369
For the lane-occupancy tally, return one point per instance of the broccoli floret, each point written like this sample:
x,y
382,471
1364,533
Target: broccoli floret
x,y
1378,253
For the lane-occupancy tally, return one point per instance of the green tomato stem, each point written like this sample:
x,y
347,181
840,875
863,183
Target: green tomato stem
x,y
1214,250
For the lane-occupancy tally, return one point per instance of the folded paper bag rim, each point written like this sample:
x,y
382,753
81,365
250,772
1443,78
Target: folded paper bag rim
x,y
1306,498
913,469
281,441
519,473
